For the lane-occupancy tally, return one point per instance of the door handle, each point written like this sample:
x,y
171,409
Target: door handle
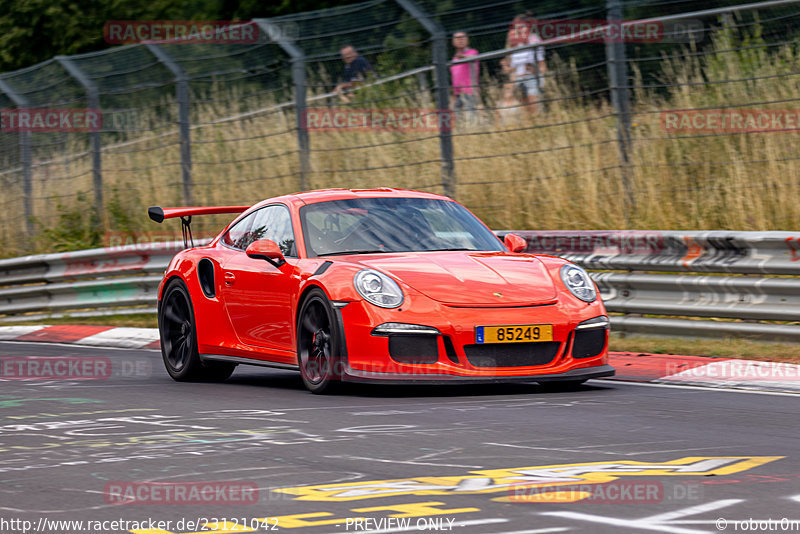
x,y
230,278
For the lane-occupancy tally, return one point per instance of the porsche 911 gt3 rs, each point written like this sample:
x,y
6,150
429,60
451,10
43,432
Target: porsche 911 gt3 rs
x,y
380,285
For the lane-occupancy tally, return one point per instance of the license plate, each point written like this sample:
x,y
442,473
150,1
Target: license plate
x,y
523,333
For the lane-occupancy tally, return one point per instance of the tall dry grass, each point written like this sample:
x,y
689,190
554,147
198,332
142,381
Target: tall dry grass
x,y
558,169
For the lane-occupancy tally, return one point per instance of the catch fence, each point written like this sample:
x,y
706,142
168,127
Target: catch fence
x,y
623,119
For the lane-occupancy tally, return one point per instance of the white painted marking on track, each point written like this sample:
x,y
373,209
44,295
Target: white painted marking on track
x,y
408,462
12,332
536,531
612,453
632,443
704,388
664,522
692,510
414,528
546,448
123,337
681,450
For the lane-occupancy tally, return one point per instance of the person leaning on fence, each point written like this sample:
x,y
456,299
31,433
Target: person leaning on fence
x,y
464,77
356,68
528,66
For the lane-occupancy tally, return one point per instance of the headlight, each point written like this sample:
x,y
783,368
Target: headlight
x,y
378,289
579,283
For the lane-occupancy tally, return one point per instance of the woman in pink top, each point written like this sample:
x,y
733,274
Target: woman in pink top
x,y
464,76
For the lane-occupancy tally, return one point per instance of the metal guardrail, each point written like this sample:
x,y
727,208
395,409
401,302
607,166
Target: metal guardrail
x,y
695,284
103,281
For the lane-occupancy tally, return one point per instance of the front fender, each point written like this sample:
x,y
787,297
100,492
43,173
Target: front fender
x,y
336,281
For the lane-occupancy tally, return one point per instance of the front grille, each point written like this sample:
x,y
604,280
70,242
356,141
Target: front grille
x,y
589,342
405,348
511,354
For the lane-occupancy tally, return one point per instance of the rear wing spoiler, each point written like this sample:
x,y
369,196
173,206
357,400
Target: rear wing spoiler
x,y
158,214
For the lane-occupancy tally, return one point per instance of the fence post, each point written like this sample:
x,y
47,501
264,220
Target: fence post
x,y
25,159
442,82
618,84
184,117
93,96
298,59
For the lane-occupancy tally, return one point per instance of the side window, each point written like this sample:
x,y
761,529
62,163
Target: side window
x,y
239,236
272,222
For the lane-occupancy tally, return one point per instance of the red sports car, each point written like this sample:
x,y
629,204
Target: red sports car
x,y
380,285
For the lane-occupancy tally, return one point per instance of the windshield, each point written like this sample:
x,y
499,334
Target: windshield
x,y
374,225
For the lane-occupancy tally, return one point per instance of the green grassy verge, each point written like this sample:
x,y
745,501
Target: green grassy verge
x,y
720,348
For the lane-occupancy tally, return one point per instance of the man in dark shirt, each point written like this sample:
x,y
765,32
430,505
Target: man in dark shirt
x,y
356,68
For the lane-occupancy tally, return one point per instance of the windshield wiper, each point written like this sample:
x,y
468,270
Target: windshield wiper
x,y
344,252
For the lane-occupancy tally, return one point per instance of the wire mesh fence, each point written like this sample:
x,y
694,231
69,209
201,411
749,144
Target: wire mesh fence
x,y
616,114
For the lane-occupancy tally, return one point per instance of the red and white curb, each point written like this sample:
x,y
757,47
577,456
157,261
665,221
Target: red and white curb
x,y
636,367
705,371
95,336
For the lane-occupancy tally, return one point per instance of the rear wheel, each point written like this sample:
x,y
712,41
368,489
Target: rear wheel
x,y
318,343
178,333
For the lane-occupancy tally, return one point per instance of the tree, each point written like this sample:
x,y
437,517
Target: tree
x,y
32,31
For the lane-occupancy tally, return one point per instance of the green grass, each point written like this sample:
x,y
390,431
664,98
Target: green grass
x,y
719,348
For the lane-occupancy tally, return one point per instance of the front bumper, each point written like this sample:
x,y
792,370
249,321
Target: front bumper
x,y
370,356
354,375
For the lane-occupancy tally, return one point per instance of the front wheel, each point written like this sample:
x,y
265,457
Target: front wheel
x,y
178,333
318,343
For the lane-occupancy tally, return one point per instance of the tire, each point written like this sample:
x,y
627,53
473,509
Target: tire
x,y
318,344
178,332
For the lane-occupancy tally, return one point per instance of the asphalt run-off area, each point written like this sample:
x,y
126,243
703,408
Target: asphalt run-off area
x,y
134,451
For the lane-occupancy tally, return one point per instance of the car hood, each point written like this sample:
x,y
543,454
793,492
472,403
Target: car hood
x,y
480,279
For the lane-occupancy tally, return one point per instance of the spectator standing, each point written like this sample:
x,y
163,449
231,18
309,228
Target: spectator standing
x,y
527,66
356,68
508,108
464,77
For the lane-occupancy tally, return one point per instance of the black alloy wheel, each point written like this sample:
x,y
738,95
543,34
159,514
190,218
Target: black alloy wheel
x,y
318,344
178,332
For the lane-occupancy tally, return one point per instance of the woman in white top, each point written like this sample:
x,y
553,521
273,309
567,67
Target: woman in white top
x,y
527,66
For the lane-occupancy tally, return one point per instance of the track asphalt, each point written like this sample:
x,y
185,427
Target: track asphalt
x,y
258,453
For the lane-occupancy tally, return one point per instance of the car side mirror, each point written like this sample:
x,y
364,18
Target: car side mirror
x,y
515,243
266,249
